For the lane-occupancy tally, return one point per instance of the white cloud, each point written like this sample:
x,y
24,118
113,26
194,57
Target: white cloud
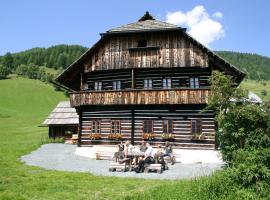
x,y
200,25
218,15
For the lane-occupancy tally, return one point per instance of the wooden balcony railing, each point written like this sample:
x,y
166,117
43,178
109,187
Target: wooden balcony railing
x,y
140,97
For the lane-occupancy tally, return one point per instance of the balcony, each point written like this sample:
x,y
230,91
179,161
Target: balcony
x,y
140,97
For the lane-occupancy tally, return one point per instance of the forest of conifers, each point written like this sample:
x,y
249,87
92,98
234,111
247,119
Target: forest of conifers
x,y
60,56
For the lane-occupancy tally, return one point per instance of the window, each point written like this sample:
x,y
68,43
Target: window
x,y
168,126
147,84
196,126
116,85
98,85
96,127
142,43
148,126
116,126
194,82
167,83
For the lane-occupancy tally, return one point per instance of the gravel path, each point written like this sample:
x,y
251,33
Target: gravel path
x,y
62,157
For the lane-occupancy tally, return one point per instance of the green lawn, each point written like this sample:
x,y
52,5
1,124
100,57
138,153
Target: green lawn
x,y
257,87
24,104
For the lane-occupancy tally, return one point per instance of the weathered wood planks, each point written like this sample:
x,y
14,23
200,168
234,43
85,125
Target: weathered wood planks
x,y
165,50
140,97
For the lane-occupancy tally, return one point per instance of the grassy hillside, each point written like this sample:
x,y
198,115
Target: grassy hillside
x,y
258,87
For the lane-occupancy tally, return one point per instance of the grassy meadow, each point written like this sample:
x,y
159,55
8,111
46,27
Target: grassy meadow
x,y
257,87
24,104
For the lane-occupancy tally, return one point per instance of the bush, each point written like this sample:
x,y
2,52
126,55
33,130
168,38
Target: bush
x,y
251,166
243,126
4,71
47,140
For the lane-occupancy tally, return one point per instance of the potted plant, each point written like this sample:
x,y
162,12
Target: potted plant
x,y
149,136
95,136
167,136
115,136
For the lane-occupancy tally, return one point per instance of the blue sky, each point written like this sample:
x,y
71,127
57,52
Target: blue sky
x,y
221,24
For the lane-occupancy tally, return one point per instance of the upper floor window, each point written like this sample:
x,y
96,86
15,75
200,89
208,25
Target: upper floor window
x,y
98,85
147,84
96,127
115,127
148,126
142,43
167,83
168,126
194,82
196,126
116,85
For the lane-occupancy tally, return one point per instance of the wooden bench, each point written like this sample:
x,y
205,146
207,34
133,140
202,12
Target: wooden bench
x,y
114,166
153,167
103,155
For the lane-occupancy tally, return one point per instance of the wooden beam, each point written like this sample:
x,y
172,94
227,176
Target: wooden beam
x,y
79,111
132,79
132,125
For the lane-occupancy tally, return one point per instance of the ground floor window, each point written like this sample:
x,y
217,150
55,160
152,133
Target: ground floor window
x,y
115,127
96,127
148,126
196,126
168,126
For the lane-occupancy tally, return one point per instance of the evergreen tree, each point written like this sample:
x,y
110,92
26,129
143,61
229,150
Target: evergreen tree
x,y
8,61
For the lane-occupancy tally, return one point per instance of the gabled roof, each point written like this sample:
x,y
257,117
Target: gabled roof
x,y
62,114
146,23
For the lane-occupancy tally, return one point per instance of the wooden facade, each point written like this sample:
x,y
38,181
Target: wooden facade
x,y
145,80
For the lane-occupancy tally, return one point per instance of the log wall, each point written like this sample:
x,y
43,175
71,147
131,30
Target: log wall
x,y
181,125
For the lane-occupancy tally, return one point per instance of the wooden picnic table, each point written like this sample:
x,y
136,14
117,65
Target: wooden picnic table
x,y
134,155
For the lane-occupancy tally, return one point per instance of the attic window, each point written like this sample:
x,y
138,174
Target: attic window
x,y
142,43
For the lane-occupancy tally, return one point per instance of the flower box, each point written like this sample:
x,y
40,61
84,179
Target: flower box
x,y
115,136
149,136
167,137
95,136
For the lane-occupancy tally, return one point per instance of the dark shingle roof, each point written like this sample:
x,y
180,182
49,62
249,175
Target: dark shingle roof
x,y
146,22
143,25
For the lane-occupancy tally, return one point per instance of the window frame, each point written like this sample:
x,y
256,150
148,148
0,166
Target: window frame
x,y
168,129
96,127
197,128
167,83
194,82
98,85
148,83
148,126
117,124
116,85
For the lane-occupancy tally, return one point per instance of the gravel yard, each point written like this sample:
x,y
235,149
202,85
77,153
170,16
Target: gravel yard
x,y
62,157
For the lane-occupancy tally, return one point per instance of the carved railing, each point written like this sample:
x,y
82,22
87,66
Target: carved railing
x,y
140,97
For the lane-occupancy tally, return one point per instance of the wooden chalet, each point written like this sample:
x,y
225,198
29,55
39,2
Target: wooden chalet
x,y
146,80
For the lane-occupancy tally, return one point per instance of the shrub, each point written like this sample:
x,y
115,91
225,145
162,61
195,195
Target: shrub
x,y
243,126
47,140
4,71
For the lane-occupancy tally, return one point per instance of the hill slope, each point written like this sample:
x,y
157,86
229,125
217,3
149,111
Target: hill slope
x,y
255,66
59,56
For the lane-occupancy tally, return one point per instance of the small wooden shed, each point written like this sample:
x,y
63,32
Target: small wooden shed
x,y
63,121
